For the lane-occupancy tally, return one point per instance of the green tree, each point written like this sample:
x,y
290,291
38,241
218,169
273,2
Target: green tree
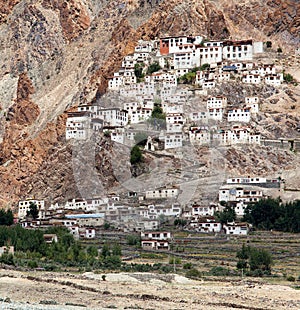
x,y
204,67
105,250
138,70
264,213
133,240
33,210
258,261
157,112
116,250
135,155
6,217
92,251
287,77
180,222
154,67
227,215
188,78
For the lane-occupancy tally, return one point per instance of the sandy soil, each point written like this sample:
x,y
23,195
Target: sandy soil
x,y
26,290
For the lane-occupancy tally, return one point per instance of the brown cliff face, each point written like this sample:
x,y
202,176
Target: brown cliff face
x,y
273,19
57,54
74,18
6,8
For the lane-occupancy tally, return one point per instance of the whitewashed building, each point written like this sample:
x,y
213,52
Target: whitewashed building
x,y
24,207
252,79
78,126
202,211
239,115
173,140
155,245
238,50
198,116
156,235
162,193
206,226
216,102
274,79
171,45
199,136
211,53
216,113
113,116
236,194
236,228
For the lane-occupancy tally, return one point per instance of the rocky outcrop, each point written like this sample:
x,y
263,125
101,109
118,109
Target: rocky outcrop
x,y
57,54
5,9
73,15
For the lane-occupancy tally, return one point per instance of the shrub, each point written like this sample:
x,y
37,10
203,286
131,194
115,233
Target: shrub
x,y
32,264
187,266
288,77
133,240
138,70
153,67
193,274
135,155
257,260
158,113
175,260
291,278
7,258
219,271
269,44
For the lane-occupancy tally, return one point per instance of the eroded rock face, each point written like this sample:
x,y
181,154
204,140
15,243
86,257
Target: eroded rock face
x,y
57,54
73,15
5,9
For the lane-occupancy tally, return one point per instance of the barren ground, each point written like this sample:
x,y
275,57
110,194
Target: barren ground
x,y
26,290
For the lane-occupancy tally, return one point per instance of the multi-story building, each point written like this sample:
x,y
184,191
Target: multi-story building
x,y
173,140
78,125
216,102
162,193
24,207
199,136
239,115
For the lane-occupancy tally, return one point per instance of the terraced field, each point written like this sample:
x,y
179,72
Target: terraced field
x,y
208,251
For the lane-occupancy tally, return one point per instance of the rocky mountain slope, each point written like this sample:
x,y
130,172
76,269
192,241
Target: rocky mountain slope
x,y
57,54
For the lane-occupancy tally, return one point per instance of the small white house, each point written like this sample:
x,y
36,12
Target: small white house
x,y
251,79
198,116
162,193
216,102
173,140
236,228
156,235
203,210
206,226
199,136
216,113
274,79
239,115
78,126
155,245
